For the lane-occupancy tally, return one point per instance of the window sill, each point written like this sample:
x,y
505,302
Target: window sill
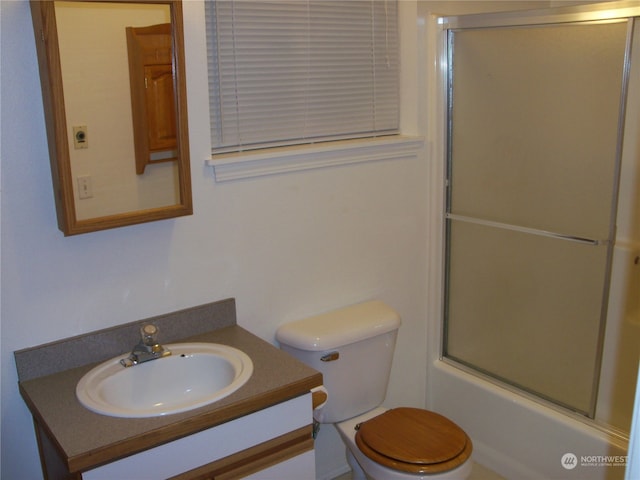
x,y
234,166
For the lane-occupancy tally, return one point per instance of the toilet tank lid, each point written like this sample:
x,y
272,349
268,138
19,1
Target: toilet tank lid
x,y
339,327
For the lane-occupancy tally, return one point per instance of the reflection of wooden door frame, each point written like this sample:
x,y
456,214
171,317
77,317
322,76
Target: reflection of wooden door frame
x,y
152,94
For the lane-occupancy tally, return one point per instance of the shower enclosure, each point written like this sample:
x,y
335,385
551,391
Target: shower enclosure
x,y
536,118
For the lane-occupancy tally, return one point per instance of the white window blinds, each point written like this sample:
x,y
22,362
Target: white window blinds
x,y
300,71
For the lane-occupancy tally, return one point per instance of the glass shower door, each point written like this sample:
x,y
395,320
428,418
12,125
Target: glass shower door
x,y
532,182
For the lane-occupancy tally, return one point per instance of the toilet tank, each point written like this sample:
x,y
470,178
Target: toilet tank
x,y
353,349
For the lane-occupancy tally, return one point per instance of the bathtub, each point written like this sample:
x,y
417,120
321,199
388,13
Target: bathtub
x,y
521,438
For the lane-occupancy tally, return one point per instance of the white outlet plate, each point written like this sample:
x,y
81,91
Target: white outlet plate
x,y
84,187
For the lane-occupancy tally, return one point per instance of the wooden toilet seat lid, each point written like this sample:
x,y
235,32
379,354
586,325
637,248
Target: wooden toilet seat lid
x,y
414,440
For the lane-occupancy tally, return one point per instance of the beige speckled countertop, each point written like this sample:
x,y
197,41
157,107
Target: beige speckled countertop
x,y
86,439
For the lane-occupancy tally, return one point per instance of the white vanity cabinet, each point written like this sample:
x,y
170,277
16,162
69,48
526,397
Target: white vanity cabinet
x,y
275,442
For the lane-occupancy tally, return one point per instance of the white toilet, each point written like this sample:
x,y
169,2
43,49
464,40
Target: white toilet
x,y
353,349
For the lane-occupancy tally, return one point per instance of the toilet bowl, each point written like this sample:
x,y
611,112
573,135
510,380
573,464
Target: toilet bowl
x,y
353,349
364,467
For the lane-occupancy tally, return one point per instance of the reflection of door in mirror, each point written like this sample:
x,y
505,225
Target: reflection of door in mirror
x,y
152,98
97,95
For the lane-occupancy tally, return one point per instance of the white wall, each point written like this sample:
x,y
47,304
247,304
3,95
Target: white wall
x,y
633,467
285,246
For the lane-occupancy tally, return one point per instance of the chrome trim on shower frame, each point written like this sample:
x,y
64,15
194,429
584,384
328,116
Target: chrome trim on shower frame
x,y
533,231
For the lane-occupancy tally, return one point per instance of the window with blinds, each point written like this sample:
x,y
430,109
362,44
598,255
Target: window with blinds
x,y
288,72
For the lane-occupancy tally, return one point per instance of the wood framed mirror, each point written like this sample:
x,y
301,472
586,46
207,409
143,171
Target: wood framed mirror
x,y
95,117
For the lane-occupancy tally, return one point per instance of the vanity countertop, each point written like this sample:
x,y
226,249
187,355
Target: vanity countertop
x,y
88,439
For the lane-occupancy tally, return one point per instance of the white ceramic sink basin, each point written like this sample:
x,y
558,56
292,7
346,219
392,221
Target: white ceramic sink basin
x,y
194,375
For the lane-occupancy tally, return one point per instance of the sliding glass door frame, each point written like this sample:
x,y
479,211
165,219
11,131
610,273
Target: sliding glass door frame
x,y
592,14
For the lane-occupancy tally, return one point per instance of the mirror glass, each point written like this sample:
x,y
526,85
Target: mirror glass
x,y
115,103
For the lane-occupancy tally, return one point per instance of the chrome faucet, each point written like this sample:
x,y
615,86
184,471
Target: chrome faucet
x,y
147,348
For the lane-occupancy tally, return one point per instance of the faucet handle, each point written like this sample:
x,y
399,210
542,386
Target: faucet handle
x,y
149,333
